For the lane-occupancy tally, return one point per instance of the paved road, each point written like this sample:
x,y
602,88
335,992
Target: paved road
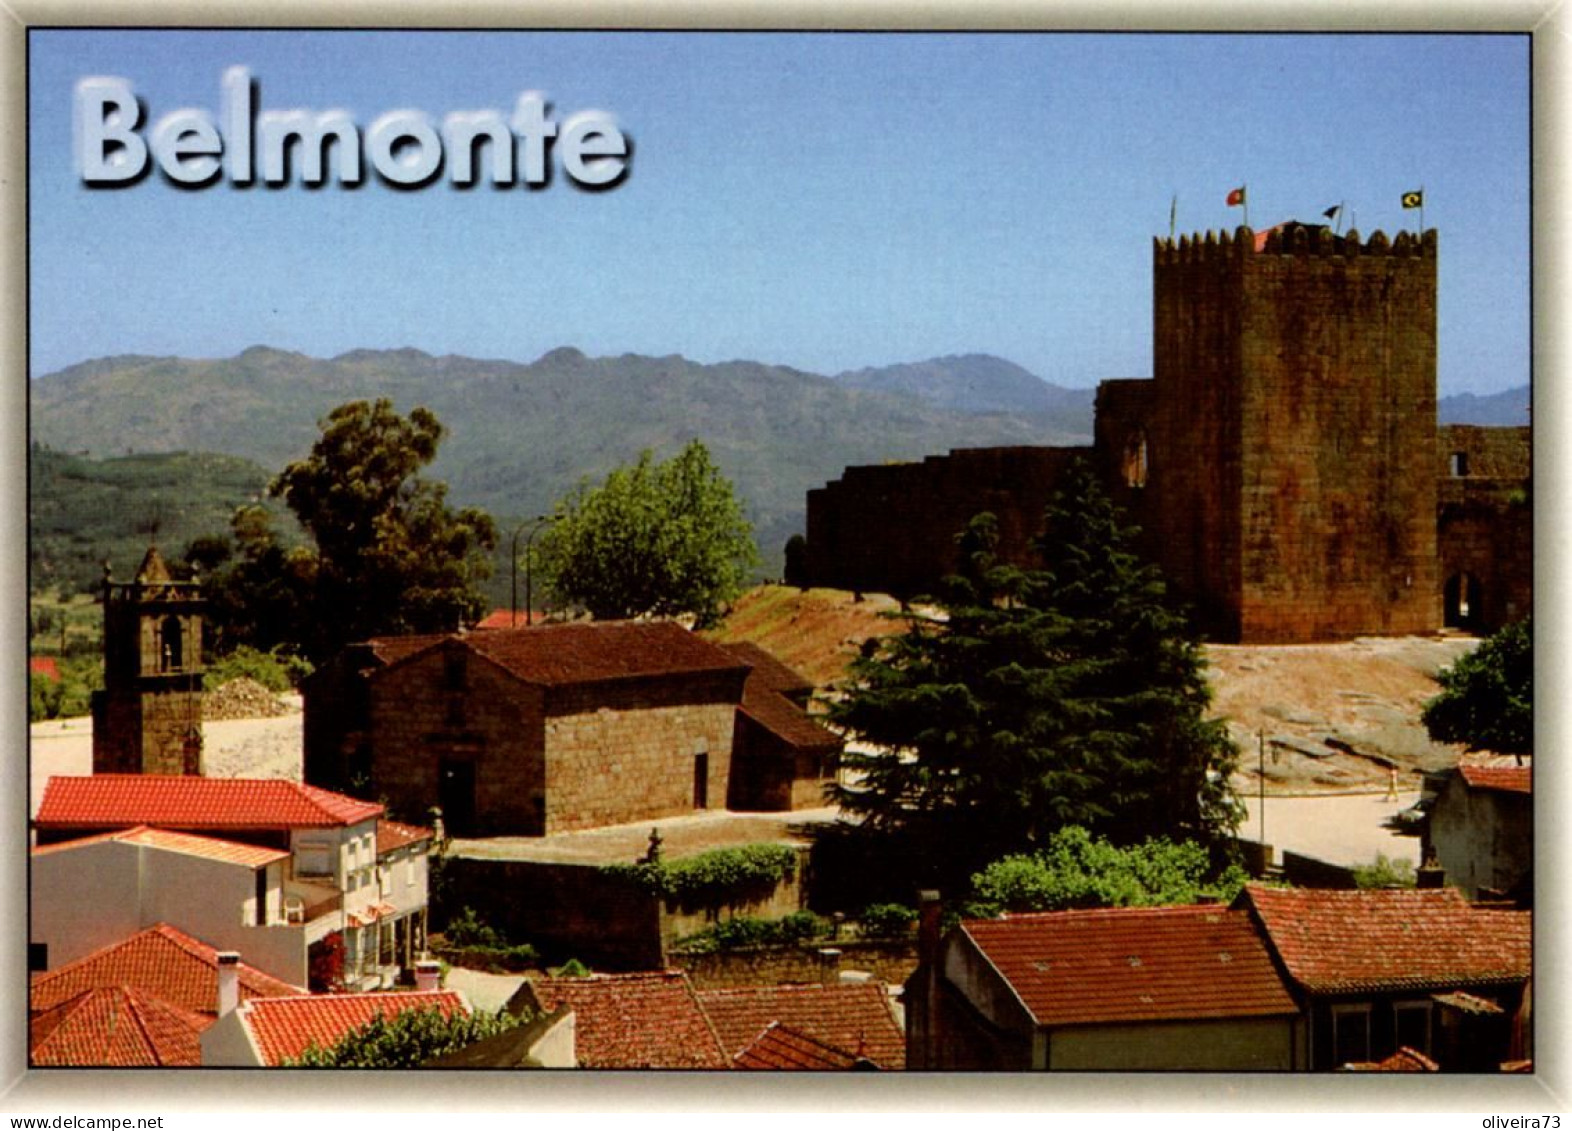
x,y
1343,829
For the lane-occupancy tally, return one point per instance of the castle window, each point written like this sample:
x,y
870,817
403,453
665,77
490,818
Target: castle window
x,y
454,669
1458,465
1134,466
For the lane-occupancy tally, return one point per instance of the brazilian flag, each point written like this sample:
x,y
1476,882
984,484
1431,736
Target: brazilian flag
x,y
1414,199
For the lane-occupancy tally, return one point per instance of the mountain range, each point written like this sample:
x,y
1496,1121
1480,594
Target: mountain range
x,y
521,435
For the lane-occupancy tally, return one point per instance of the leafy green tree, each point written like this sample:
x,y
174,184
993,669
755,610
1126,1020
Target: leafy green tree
x,y
1032,700
1076,870
405,1040
1487,696
660,539
389,554
258,587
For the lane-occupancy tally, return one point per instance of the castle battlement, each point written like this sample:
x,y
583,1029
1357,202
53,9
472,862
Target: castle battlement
x,y
1293,238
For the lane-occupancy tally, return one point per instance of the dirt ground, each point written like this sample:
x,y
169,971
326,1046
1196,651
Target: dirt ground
x,y
1328,717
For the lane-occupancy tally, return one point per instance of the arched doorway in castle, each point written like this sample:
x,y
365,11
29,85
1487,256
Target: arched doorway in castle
x,y
1461,602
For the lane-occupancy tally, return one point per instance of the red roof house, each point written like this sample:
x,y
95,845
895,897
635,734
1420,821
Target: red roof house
x,y
651,1020
1480,828
72,806
1177,988
856,1019
116,1027
781,1047
269,1031
161,961
1374,968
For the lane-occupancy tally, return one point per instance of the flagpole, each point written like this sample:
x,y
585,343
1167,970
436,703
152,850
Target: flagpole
x,y
1246,203
1421,211
1173,212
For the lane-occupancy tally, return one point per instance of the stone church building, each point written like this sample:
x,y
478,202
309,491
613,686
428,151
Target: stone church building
x,y
1283,463
560,727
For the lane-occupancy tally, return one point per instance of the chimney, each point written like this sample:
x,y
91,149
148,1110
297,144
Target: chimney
x,y
428,975
228,982
829,962
928,915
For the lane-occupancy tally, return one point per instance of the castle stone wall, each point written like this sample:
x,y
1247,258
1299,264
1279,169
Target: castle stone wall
x,y
892,528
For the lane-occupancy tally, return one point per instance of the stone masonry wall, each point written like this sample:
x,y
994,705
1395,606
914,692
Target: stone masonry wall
x,y
1339,431
892,528
611,766
421,714
888,962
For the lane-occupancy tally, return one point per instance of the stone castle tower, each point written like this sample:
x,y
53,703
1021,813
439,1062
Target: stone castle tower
x,y
148,717
1282,460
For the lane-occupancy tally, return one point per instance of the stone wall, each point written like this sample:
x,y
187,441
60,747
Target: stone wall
x,y
1282,463
892,528
888,962
432,712
1297,385
1486,527
637,763
564,910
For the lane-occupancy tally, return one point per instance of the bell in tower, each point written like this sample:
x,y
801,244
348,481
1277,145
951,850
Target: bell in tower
x,y
148,717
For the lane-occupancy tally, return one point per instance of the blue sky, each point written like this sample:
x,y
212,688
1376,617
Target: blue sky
x,y
821,201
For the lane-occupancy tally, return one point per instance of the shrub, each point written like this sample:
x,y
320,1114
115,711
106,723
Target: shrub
x,y
278,670
1385,872
1075,870
405,1040
713,879
747,931
886,920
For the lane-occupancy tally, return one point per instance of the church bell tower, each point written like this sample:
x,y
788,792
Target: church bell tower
x,y
148,717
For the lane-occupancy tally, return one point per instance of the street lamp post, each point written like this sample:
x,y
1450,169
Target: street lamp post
x,y
534,525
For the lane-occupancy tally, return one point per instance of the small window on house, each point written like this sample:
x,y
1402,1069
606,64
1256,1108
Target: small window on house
x,y
1458,465
1134,465
1350,1034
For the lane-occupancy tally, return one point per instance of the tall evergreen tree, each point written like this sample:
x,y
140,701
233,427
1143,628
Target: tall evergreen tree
x,y
1032,700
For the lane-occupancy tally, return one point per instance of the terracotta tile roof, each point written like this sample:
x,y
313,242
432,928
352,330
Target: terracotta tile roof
x,y
1134,964
856,1018
1404,1059
768,672
649,1020
283,1028
391,836
1507,779
392,649
195,803
506,618
116,1027
368,915
209,848
1334,941
782,1047
559,655
787,721
1468,1003
162,961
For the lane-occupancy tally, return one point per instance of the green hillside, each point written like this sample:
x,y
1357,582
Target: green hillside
x,y
521,435
82,511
